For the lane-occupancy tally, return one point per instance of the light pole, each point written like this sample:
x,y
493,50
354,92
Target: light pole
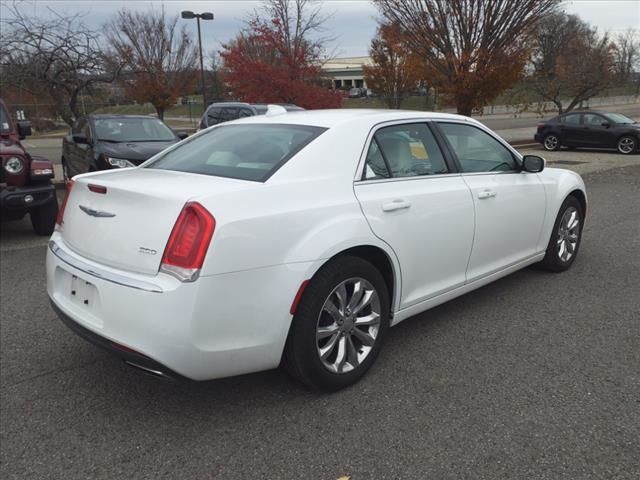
x,y
187,14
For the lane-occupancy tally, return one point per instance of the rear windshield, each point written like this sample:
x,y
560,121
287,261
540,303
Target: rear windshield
x,y
245,152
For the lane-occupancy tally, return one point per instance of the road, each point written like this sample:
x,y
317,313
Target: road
x,y
535,376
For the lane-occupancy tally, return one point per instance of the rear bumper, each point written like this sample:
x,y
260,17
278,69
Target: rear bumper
x,y
218,326
131,357
538,138
19,200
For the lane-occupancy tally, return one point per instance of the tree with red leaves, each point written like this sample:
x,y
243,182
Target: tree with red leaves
x,y
275,61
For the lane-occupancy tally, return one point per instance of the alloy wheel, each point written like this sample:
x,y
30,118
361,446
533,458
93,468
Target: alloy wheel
x,y
551,142
568,234
626,145
348,325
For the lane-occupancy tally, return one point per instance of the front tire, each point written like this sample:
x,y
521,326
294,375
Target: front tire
x,y
43,218
627,145
339,326
551,142
565,237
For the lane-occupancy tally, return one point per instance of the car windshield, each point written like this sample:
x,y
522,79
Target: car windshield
x,y
132,130
619,118
245,152
5,124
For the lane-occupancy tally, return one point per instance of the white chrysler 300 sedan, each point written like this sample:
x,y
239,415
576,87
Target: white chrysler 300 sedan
x,y
299,238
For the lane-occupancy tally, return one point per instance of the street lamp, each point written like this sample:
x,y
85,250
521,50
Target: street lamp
x,y
187,14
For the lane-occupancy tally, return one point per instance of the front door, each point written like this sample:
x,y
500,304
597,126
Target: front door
x,y
509,204
596,132
414,204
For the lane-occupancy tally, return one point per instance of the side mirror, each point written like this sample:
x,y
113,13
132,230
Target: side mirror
x,y
24,129
80,139
532,163
182,135
606,124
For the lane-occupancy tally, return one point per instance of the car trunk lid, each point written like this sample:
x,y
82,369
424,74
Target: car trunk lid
x,y
123,219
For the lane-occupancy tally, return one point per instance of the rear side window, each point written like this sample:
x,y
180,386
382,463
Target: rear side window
x,y
408,150
245,152
571,119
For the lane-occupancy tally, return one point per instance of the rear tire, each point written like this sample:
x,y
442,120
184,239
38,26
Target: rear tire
x,y
551,142
43,218
339,326
566,236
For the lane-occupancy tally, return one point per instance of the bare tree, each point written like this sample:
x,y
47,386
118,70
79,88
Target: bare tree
x,y
571,62
626,54
58,55
396,70
160,59
474,48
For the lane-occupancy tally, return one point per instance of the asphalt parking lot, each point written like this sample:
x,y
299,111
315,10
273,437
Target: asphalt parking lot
x,y
534,376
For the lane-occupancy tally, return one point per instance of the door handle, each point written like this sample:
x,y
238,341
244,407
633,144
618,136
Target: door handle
x,y
397,204
487,194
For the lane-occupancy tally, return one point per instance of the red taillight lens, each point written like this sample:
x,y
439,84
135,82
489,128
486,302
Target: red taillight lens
x,y
540,126
189,242
64,203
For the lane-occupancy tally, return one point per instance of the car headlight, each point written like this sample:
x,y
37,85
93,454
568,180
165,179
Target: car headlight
x,y
118,162
14,165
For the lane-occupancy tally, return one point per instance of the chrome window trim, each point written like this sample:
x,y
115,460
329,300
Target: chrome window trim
x,y
101,273
375,181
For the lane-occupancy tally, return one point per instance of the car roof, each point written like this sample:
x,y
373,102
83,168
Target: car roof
x,y
331,118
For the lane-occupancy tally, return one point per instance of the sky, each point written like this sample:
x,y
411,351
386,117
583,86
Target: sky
x,y
351,23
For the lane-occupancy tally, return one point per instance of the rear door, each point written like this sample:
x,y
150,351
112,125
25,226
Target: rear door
x,y
509,204
414,203
571,129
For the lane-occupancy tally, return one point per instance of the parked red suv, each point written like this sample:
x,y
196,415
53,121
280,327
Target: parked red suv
x,y
25,180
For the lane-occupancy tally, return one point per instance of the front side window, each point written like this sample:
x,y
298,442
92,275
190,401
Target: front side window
x,y
477,151
133,129
408,150
593,119
245,152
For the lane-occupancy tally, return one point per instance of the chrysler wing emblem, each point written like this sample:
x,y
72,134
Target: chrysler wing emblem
x,y
96,213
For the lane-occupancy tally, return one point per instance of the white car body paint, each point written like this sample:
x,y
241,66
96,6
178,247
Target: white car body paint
x,y
272,236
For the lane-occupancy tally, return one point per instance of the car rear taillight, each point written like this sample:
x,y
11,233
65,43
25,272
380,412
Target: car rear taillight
x,y
540,126
188,243
60,218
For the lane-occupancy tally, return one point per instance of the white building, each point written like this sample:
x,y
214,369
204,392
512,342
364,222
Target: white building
x,y
347,72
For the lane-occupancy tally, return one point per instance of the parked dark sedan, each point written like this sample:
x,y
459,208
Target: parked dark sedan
x,y
100,142
590,129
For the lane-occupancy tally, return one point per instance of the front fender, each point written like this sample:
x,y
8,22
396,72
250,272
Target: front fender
x,y
558,184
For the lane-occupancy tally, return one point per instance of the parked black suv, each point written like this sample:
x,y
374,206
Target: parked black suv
x,y
226,111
